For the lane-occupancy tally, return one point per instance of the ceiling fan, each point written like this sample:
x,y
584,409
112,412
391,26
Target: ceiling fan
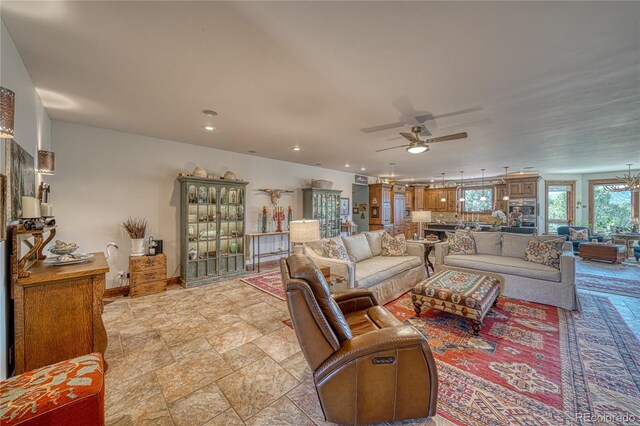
x,y
417,146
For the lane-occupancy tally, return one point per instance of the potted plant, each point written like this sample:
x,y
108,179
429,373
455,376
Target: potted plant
x,y
136,228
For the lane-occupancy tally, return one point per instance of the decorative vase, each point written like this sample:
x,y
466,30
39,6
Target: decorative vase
x,y
137,247
233,247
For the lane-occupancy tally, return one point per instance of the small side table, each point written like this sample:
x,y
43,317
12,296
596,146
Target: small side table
x,y
148,274
428,247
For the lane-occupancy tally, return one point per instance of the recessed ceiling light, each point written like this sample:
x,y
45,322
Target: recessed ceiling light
x,y
347,165
362,169
209,127
392,175
209,112
251,152
296,148
432,180
318,164
412,179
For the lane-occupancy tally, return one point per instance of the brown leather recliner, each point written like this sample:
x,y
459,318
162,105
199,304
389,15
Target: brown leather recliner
x,y
367,366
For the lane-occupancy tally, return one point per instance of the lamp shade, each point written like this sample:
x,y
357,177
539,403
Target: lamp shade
x,y
304,231
421,216
7,112
46,162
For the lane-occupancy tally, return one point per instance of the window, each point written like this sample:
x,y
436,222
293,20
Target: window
x,y
611,209
473,202
559,202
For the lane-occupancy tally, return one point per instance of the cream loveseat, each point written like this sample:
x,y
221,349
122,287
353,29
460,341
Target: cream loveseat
x,y
388,277
503,253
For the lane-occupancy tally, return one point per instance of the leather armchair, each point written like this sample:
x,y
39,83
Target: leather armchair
x,y
367,366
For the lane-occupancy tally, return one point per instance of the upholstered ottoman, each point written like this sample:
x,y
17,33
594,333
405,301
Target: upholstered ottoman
x,y
463,293
67,393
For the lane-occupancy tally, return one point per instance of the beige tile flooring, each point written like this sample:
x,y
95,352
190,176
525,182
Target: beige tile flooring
x,y
214,355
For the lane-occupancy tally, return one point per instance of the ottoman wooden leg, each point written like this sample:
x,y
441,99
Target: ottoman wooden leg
x,y
417,306
476,325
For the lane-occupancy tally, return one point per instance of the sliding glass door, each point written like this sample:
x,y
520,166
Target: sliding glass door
x,y
559,202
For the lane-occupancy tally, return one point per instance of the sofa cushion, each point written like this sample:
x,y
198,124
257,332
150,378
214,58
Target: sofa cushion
x,y
357,247
393,246
504,265
488,242
375,241
318,246
544,252
335,249
380,268
461,243
578,234
514,245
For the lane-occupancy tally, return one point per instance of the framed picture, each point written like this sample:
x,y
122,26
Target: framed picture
x,y
375,212
21,178
344,207
355,210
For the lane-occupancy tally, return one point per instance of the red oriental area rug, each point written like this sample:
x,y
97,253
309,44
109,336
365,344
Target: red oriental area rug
x,y
269,282
533,364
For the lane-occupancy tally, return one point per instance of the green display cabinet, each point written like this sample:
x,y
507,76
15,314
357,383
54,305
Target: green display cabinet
x,y
212,230
324,206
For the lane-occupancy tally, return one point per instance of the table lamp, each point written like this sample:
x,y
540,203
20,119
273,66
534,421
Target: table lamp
x,y
420,217
303,231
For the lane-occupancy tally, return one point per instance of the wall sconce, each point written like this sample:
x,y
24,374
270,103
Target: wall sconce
x,y
7,112
46,163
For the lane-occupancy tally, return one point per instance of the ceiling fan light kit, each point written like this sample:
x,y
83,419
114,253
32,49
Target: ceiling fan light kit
x,y
415,148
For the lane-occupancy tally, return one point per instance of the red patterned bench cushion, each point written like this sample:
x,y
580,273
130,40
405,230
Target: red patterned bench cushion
x,y
461,293
69,392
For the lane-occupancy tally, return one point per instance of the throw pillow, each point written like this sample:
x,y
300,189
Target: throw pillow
x,y
393,246
335,250
579,235
544,252
461,243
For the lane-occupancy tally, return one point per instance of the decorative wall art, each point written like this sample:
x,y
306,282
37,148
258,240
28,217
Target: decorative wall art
x,y
375,212
21,178
344,207
355,210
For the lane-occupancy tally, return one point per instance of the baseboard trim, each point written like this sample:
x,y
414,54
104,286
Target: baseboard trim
x,y
124,290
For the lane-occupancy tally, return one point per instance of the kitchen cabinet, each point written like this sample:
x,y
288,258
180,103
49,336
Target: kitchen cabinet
x,y
418,198
380,199
523,189
408,199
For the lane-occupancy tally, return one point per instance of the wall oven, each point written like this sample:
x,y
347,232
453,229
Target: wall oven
x,y
525,210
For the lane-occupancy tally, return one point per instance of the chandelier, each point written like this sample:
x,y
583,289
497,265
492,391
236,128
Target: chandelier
x,y
628,183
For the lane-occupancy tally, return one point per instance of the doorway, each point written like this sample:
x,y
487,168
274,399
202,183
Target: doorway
x,y
360,206
559,202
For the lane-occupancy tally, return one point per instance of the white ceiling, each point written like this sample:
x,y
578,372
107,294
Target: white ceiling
x,y
557,85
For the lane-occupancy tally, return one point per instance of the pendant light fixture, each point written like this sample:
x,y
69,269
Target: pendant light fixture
x,y
506,185
483,197
443,198
461,187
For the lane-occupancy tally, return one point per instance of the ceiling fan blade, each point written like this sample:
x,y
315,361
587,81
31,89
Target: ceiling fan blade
x,y
445,138
381,127
425,117
410,137
393,147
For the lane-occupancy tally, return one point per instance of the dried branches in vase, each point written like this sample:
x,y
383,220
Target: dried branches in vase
x,y
136,228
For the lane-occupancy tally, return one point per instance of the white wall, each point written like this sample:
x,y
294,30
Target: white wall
x,y
103,177
32,132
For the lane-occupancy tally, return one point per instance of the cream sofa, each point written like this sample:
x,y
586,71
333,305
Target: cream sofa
x,y
503,253
388,277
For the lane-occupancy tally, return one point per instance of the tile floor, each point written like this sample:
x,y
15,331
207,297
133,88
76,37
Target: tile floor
x,y
221,355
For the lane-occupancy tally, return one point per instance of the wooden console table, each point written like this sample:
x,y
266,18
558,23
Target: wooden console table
x,y
58,312
253,244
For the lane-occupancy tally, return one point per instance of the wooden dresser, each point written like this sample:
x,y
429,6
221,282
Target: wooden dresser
x,y
148,274
58,313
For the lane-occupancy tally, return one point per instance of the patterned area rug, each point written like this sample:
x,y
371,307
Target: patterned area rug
x,y
533,364
625,286
270,282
